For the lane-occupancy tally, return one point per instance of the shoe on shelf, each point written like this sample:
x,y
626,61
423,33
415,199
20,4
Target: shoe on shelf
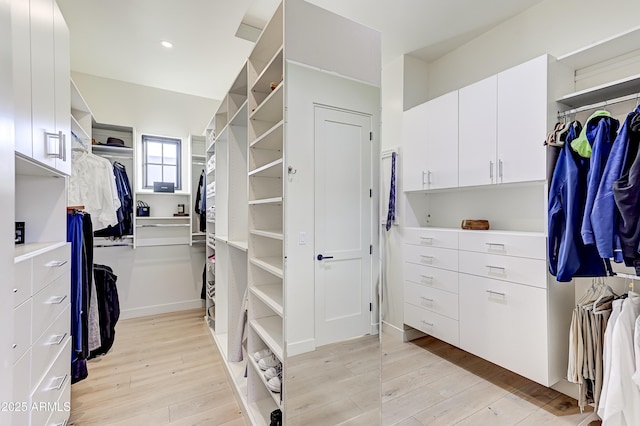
x,y
274,384
272,372
262,354
268,362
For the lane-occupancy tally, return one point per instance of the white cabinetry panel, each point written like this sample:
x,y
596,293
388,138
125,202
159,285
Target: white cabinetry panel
x,y
414,142
441,124
431,323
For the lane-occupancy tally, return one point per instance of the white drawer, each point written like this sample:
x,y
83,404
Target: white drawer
x,y
62,409
429,322
21,330
48,346
21,389
48,304
50,265
505,323
432,256
52,386
22,284
515,269
533,246
431,277
443,238
441,302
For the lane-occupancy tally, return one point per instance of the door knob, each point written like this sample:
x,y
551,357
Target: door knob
x,y
321,257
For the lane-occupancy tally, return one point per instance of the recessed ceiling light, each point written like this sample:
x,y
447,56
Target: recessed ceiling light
x,y
167,44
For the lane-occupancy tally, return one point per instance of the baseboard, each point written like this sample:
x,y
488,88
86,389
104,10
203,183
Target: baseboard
x,y
161,309
302,347
390,330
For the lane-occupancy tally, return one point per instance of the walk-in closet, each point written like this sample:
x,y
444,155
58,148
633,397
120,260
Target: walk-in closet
x,y
319,212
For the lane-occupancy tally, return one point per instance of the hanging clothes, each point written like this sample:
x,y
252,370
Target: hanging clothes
x,y
124,213
568,256
201,205
108,307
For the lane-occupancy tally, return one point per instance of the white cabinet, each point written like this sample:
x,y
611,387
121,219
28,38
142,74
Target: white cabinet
x,y
478,112
41,80
523,105
431,142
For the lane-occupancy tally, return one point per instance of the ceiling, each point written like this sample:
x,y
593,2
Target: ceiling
x,y
120,39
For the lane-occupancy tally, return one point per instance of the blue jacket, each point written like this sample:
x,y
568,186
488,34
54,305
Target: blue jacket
x,y
601,132
604,215
568,256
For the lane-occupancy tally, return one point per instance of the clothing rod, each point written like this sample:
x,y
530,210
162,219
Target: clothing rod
x,y
116,157
163,225
199,163
599,105
628,276
114,245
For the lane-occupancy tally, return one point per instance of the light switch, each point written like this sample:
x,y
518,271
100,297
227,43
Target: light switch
x,y
302,238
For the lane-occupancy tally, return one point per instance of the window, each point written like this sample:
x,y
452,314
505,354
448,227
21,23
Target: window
x,y
161,160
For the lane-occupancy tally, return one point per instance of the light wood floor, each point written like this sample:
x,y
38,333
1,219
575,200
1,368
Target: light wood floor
x,y
162,370
429,382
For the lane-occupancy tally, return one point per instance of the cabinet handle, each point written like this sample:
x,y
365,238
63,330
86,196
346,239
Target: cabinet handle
x,y
62,379
426,299
426,258
50,148
426,240
427,277
63,146
15,290
429,177
427,323
55,263
423,174
56,300
491,245
500,169
491,267
15,345
57,342
497,293
491,170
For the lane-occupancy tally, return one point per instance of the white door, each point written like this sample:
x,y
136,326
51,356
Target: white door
x,y
477,132
441,124
342,224
522,122
414,137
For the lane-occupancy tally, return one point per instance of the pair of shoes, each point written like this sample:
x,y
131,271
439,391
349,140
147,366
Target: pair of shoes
x,y
262,354
275,384
268,362
272,372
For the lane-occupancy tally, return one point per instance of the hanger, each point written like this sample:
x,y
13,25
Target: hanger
x,y
604,289
588,294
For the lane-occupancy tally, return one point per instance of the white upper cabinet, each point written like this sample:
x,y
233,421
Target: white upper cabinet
x,y
42,82
430,134
414,137
441,124
522,121
477,117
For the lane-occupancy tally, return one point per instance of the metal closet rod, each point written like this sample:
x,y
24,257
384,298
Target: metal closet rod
x,y
599,105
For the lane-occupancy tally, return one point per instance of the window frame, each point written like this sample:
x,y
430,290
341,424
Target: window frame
x,y
162,140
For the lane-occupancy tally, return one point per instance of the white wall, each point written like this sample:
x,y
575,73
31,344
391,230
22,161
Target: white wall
x,y
553,26
151,279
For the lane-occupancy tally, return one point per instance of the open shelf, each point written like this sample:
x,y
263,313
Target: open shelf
x,y
163,218
272,73
108,149
271,139
240,118
274,200
272,170
259,372
270,331
603,92
273,265
28,250
270,295
610,47
79,131
271,108
276,234
240,245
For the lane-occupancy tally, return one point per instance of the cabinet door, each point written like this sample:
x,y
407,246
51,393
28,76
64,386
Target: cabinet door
x,y
42,81
62,78
414,158
506,324
522,121
442,141
21,41
477,117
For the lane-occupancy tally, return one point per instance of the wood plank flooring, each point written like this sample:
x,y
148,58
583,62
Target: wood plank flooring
x,y
429,382
162,370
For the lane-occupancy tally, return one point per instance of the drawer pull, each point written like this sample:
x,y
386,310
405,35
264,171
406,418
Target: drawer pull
x,y
56,300
15,290
426,299
497,268
426,258
15,345
426,240
54,342
497,293
427,323
492,245
55,263
57,387
427,277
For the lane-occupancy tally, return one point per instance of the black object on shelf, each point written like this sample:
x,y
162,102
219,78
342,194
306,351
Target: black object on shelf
x,y
19,232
